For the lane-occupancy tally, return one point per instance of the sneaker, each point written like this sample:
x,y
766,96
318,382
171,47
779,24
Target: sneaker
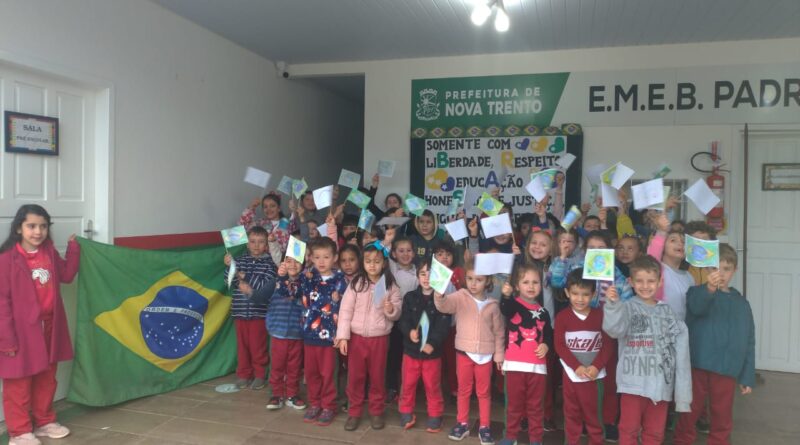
x,y
612,433
485,435
275,403
326,417
391,396
345,407
507,441
549,425
257,384
459,432
352,423
377,422
703,426
24,439
407,420
52,430
312,414
434,424
296,402
243,383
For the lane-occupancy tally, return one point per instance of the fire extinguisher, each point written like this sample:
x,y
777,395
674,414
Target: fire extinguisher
x,y
716,182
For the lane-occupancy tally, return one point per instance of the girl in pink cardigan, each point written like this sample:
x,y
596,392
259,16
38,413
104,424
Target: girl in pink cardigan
x,y
33,325
362,334
480,340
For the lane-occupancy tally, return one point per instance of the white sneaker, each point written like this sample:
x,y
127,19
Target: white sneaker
x,y
53,430
25,439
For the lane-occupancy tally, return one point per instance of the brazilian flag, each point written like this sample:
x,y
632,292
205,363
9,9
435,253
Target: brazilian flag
x,y
149,322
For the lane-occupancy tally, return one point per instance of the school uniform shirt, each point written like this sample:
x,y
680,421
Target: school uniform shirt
x,y
580,341
527,327
406,278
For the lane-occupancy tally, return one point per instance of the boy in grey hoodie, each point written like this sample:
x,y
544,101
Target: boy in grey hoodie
x,y
653,356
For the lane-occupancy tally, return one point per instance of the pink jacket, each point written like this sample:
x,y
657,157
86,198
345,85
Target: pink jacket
x,y
479,333
358,315
20,321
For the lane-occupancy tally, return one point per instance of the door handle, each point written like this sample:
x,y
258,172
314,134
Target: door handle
x,y
89,232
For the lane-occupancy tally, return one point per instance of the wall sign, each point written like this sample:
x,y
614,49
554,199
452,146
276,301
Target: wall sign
x,y
737,94
29,133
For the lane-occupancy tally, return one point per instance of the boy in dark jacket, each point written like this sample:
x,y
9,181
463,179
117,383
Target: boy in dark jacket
x,y
422,360
722,345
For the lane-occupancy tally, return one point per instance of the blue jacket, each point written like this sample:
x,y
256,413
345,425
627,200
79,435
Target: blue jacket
x,y
285,315
320,312
722,335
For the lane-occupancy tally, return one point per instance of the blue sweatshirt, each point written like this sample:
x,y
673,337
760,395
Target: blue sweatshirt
x,y
722,335
559,269
285,316
320,312
259,273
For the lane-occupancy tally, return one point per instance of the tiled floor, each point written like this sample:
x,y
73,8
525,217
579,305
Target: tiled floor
x,y
199,415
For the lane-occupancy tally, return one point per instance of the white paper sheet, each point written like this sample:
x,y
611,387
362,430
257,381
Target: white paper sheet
x,y
349,179
323,230
322,196
496,225
565,160
386,168
457,229
285,186
256,177
492,263
702,196
620,175
648,194
536,189
609,195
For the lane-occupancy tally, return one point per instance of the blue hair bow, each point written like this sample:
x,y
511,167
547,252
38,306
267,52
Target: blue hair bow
x,y
379,246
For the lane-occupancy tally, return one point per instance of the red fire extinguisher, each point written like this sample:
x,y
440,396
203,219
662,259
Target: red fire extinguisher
x,y
716,182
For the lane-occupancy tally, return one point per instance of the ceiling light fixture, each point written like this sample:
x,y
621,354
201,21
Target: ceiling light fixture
x,y
483,10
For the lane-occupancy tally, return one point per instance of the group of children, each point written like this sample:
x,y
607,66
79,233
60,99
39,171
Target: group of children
x,y
657,340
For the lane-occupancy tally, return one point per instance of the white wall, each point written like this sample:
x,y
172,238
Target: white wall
x,y
190,109
388,103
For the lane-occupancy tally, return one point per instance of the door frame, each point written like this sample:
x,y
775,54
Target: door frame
x,y
104,90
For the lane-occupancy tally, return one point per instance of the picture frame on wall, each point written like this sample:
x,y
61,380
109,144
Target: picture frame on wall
x,y
31,134
780,176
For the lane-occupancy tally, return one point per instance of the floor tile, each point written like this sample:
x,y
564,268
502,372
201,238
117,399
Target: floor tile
x,y
201,432
161,404
234,413
119,420
89,436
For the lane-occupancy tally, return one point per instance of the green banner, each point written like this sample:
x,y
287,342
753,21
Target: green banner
x,y
149,322
473,106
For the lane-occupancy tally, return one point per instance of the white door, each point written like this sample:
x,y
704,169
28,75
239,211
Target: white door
x,y
63,184
773,255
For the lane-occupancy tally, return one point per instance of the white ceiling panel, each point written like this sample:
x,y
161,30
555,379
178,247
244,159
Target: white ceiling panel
x,y
308,31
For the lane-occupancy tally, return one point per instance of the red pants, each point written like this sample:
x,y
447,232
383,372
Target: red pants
x,y
287,363
449,361
582,405
524,394
640,414
720,389
468,373
366,361
320,371
610,396
251,348
430,371
30,395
